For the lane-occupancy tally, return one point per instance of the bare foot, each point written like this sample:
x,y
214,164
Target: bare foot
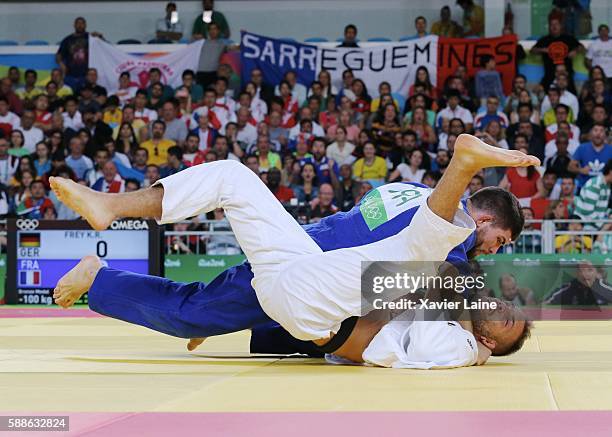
x,y
194,343
90,204
474,154
76,282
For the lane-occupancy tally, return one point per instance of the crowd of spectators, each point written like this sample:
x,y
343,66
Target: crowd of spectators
x,y
319,148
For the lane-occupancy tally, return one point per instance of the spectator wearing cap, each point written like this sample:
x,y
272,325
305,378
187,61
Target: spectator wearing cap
x,y
170,27
600,51
593,201
157,147
446,26
556,48
350,37
454,110
590,158
202,23
73,54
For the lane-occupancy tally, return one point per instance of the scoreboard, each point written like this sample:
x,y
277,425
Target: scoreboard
x,y
40,252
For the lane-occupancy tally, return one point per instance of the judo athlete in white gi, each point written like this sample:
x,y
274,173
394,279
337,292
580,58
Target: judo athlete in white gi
x,y
307,291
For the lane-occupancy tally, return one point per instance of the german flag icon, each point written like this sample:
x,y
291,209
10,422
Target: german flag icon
x,y
31,239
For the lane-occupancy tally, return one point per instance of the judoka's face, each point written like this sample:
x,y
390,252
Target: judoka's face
x,y
498,328
489,237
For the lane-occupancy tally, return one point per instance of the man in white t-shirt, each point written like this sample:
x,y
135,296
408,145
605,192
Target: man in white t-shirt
x,y
311,293
454,110
31,134
8,120
600,51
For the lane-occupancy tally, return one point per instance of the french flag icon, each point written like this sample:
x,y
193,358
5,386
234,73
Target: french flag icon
x,y
29,277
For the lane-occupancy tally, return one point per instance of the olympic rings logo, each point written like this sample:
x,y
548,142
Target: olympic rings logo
x,y
27,224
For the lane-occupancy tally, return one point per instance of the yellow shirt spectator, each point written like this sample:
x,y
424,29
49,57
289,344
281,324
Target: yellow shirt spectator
x,y
573,244
271,160
158,153
64,91
377,170
112,117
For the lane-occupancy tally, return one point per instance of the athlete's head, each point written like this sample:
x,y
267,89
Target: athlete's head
x,y
499,219
503,329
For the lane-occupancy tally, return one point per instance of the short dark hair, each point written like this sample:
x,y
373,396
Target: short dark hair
x,y
518,344
187,72
485,59
420,17
132,181
176,151
158,121
349,27
480,178
30,71
154,70
524,105
191,134
503,205
563,106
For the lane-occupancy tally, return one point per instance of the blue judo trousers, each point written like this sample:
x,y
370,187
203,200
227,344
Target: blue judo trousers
x,y
229,303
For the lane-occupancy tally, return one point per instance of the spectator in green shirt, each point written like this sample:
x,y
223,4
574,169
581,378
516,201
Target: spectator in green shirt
x,y
592,203
200,27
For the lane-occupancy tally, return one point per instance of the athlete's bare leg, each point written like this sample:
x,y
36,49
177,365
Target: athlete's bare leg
x,y
471,155
100,209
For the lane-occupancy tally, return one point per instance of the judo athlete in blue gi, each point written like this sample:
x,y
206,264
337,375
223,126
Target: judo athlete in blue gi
x,y
307,280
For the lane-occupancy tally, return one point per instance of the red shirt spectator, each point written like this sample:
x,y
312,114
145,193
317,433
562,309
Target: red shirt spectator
x,y
523,183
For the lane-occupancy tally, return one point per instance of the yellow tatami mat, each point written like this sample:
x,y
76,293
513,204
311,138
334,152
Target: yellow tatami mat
x,y
103,365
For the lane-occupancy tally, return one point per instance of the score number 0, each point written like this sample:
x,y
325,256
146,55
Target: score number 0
x,y
101,249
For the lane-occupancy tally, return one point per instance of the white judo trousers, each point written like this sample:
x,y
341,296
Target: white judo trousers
x,y
307,291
